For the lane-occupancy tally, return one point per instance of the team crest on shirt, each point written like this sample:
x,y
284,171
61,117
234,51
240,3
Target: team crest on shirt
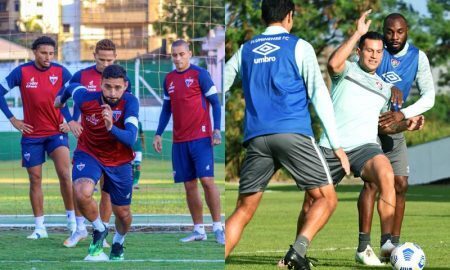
x,y
189,81
171,88
116,115
92,119
395,62
27,156
53,79
379,84
91,86
32,83
81,166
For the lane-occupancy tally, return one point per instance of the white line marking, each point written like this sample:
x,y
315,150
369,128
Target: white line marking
x,y
136,260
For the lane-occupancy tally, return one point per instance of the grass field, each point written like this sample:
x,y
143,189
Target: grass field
x,y
157,195
267,237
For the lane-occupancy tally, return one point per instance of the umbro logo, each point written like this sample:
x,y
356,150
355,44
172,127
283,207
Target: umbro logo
x,y
266,48
391,77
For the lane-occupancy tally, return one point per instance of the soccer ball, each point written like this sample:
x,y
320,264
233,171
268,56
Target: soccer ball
x,y
408,256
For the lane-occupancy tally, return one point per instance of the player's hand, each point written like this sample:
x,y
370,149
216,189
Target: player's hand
x,y
342,156
75,128
21,126
57,103
362,26
157,143
416,122
388,118
64,127
396,97
217,137
107,116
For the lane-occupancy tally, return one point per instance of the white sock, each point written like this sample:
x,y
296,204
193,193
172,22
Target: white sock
x,y
80,223
118,238
98,224
200,228
39,222
70,215
217,226
106,224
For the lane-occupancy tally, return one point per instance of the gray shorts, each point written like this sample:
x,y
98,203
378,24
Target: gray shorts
x,y
394,146
299,154
357,158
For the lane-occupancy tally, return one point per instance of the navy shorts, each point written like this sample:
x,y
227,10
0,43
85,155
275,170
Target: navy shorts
x,y
118,180
34,149
192,160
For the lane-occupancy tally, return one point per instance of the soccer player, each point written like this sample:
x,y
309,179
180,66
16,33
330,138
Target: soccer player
x,y
90,77
188,94
280,75
109,119
138,146
402,64
42,128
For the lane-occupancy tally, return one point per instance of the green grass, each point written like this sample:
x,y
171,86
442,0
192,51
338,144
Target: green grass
x,y
157,194
268,236
21,253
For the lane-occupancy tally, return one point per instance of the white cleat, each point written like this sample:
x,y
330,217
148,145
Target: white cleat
x,y
98,258
220,236
386,250
38,233
105,244
76,237
194,236
72,227
368,257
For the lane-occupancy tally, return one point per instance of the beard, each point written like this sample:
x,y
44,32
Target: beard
x,y
394,50
110,102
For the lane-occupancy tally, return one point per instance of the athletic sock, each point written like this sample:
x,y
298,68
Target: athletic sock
x,y
363,241
301,245
217,226
384,238
136,176
70,215
98,225
80,223
39,222
118,238
395,239
106,224
200,228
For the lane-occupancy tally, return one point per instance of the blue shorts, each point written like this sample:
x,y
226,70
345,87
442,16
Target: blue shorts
x,y
118,180
33,149
192,160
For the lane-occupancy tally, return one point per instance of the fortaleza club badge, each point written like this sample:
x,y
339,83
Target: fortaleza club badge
x,y
53,79
116,115
379,85
189,82
395,62
81,166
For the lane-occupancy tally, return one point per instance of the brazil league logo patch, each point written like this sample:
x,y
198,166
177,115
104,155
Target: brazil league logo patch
x,y
81,166
53,79
395,62
189,81
27,156
116,115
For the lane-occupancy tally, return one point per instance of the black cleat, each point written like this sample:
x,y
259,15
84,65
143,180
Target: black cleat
x,y
96,246
116,252
294,261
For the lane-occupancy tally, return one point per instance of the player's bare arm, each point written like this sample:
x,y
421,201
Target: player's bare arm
x,y
157,143
75,128
217,137
21,126
396,97
410,124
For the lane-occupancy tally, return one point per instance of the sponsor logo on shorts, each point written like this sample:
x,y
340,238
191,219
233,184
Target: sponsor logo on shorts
x,y
53,79
128,196
61,137
32,83
27,156
265,49
391,77
189,81
81,166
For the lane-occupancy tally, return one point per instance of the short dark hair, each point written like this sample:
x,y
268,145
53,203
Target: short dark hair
x,y
370,35
394,16
276,10
180,42
114,72
44,40
106,45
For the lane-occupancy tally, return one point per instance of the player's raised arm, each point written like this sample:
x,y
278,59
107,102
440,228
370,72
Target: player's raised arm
x,y
336,63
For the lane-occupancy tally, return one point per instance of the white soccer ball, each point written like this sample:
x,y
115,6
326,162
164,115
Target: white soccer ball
x,y
408,256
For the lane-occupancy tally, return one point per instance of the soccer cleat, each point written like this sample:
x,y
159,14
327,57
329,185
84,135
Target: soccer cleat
x,y
220,236
105,244
368,257
72,227
194,236
294,261
76,237
38,233
116,252
386,250
96,246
